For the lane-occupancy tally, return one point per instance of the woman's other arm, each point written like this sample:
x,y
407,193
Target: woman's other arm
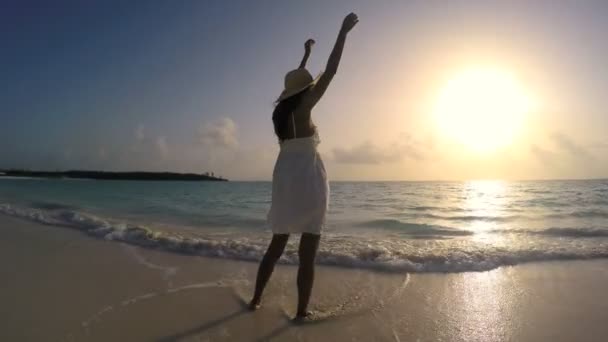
x,y
307,47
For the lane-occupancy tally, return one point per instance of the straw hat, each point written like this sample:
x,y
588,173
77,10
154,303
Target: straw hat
x,y
296,81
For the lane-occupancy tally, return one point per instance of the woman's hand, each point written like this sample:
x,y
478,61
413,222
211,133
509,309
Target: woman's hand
x,y
308,45
349,22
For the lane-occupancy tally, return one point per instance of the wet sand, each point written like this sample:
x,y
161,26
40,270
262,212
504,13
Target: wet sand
x,y
61,285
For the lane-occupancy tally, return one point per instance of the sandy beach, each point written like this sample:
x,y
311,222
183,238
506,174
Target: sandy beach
x,y
429,170
61,285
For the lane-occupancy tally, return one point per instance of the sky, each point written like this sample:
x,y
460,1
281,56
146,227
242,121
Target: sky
x,y
189,86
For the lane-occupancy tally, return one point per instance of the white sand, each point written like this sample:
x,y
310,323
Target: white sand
x,y
59,284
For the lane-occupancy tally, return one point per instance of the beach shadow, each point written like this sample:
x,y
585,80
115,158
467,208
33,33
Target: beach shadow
x,y
243,303
275,333
290,323
201,328
244,308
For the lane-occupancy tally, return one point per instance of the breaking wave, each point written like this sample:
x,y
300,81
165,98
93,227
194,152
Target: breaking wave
x,y
382,254
415,228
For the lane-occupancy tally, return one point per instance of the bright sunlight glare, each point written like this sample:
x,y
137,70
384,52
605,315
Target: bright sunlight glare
x,y
482,108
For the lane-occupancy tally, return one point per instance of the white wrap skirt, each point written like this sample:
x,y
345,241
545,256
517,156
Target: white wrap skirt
x,y
300,190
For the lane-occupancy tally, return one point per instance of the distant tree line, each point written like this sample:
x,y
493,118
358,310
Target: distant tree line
x,y
108,175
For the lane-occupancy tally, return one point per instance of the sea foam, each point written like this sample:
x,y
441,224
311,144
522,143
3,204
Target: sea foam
x,y
457,254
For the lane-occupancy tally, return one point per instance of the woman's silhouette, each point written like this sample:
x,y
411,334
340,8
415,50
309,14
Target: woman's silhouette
x,y
300,191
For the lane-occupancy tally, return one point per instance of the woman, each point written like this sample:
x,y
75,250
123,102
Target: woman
x,y
300,191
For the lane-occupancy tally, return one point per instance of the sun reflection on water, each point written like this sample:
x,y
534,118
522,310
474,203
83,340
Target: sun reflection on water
x,y
483,200
486,305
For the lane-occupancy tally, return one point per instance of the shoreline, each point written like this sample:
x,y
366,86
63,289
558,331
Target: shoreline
x,y
248,248
64,286
251,248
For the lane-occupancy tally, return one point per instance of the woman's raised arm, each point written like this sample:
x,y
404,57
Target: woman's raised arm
x,y
307,47
334,58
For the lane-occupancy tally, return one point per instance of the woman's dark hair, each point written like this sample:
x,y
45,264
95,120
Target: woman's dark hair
x,y
281,114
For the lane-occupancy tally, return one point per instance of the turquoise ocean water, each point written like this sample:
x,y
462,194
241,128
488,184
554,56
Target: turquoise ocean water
x,y
387,226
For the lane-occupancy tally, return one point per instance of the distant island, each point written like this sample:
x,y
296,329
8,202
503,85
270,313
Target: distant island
x,y
105,175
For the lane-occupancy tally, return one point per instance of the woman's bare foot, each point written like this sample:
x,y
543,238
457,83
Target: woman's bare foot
x,y
254,304
303,317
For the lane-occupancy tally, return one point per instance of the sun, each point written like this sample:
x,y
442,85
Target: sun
x,y
482,108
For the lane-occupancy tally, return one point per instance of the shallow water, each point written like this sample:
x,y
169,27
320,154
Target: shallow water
x,y
391,226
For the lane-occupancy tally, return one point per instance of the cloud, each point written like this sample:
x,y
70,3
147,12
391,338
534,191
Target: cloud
x,y
103,153
67,154
599,144
370,153
564,148
566,144
365,153
139,139
221,133
162,147
544,155
140,132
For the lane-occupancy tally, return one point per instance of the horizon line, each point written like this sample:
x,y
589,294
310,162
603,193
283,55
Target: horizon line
x,y
336,180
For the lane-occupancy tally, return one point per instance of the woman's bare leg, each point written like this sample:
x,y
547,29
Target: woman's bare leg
x,y
309,244
274,252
